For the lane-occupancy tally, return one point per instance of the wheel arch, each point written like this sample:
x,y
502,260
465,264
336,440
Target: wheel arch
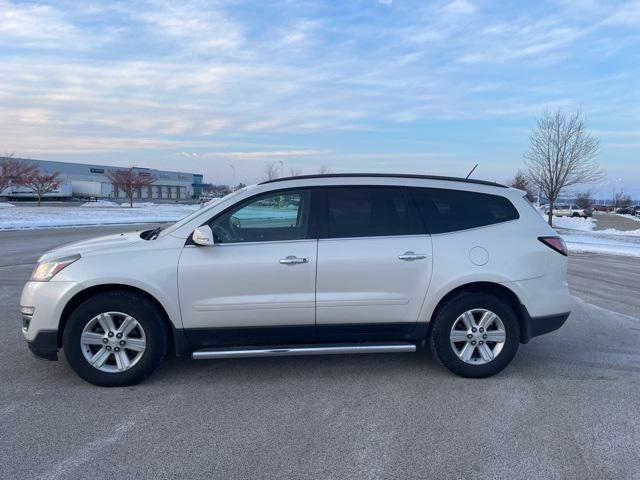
x,y
176,336
491,288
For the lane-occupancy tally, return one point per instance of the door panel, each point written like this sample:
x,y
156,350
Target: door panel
x,y
245,284
363,280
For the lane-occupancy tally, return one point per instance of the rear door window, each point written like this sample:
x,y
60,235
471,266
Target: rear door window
x,y
366,212
452,210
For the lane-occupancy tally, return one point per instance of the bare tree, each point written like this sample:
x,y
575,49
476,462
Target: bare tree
x,y
621,200
13,171
41,183
271,171
295,171
521,182
130,181
561,153
584,200
324,170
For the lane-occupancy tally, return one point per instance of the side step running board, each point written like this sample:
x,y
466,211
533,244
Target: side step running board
x,y
275,351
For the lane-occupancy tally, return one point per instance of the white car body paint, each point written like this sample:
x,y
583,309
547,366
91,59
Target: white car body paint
x,y
362,280
353,280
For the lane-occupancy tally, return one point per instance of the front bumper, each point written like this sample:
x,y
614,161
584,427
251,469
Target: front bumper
x,y
45,345
41,305
45,302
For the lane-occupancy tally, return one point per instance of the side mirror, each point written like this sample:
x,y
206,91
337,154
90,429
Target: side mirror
x,y
203,236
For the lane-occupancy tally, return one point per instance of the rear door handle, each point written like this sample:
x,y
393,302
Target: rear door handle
x,y
412,256
293,260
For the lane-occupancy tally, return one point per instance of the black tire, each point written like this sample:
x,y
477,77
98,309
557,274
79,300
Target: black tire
x,y
444,320
148,315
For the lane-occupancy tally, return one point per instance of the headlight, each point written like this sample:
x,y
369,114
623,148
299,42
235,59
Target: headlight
x,y
45,271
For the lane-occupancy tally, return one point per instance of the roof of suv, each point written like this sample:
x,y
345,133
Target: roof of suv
x,y
388,175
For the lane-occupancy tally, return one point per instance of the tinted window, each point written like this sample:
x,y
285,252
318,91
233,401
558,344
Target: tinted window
x,y
452,210
272,217
367,212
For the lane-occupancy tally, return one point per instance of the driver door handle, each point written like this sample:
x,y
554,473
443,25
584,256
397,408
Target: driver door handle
x,y
412,256
293,260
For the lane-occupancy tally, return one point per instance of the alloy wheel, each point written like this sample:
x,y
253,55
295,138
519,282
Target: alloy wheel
x,y
113,342
477,336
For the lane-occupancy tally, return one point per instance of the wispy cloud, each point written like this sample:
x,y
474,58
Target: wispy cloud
x,y
335,81
196,25
34,25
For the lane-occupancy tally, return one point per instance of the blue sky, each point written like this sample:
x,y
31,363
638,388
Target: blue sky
x,y
375,85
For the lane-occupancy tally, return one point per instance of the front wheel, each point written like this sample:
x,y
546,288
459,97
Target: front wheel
x,y
115,339
475,334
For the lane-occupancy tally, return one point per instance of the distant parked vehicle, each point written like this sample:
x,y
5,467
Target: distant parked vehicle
x,y
626,211
570,210
636,210
602,208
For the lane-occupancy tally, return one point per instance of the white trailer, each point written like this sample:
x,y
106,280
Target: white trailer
x,y
86,188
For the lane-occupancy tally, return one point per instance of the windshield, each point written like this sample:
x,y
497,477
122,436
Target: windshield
x,y
191,216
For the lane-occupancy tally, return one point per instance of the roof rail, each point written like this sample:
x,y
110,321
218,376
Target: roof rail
x,y
388,175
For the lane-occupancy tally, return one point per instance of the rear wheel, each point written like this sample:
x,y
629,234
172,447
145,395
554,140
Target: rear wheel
x,y
475,334
115,339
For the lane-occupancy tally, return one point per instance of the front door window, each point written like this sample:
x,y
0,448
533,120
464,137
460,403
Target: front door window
x,y
273,217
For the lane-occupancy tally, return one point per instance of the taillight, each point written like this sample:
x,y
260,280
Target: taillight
x,y
556,243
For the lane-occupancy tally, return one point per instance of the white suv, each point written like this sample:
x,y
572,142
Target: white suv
x,y
308,265
566,210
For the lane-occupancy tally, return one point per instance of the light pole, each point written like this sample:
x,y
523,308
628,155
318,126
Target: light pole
x,y
233,187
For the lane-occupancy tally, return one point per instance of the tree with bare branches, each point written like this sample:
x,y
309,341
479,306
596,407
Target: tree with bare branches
x,y
584,199
561,153
271,171
130,181
41,183
521,182
13,171
621,200
324,170
295,171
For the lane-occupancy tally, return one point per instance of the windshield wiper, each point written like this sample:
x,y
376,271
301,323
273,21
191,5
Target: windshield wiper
x,y
153,234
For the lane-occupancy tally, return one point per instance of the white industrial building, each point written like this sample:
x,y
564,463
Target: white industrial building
x,y
82,180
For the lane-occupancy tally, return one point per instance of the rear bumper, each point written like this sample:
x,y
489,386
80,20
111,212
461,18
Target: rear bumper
x,y
45,345
534,326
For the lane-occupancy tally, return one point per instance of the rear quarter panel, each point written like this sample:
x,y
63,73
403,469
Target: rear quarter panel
x,y
512,251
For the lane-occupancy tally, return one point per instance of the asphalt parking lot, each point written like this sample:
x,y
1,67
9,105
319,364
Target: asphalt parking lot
x,y
618,222
567,407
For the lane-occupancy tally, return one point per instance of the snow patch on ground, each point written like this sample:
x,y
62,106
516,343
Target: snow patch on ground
x,y
590,243
6,205
575,223
110,204
100,203
33,217
580,237
613,231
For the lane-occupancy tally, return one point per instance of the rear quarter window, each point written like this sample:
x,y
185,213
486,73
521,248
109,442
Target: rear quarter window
x,y
444,210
